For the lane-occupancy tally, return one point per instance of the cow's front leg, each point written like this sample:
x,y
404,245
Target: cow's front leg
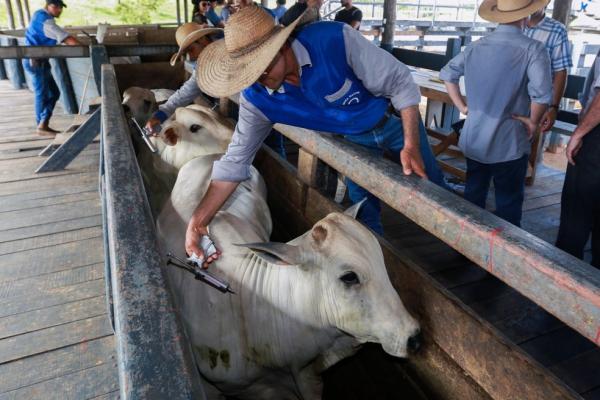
x,y
310,384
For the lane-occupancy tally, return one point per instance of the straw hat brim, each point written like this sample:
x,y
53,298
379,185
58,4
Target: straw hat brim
x,y
191,38
488,10
221,75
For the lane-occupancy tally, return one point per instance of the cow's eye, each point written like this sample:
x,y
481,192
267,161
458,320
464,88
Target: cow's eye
x,y
195,128
350,278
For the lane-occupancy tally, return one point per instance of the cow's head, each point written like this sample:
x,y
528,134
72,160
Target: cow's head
x,y
354,291
139,103
202,131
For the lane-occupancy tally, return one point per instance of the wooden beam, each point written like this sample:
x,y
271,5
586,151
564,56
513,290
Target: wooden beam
x,y
307,168
9,14
154,356
27,10
74,145
562,11
389,24
20,13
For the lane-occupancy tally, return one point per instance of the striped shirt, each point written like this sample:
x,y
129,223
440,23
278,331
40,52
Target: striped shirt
x,y
554,36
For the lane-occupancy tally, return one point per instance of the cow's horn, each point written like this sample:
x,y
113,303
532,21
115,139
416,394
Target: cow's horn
x,y
354,210
276,253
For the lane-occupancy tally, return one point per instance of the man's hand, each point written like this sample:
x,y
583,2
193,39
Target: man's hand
x,y
411,160
192,242
573,147
530,125
151,124
549,119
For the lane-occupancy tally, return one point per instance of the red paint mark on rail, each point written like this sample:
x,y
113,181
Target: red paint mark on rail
x,y
597,340
460,233
493,235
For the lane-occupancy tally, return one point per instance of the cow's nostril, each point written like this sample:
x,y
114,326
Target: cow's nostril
x,y
414,342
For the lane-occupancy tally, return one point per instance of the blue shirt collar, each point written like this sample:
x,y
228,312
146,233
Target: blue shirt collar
x,y
508,29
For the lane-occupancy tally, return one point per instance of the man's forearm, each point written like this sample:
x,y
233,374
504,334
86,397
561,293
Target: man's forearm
x,y
559,84
537,111
591,119
410,124
71,41
456,97
217,194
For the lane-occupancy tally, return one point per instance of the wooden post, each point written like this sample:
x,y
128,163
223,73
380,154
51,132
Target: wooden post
x,y
20,13
178,10
98,56
10,15
185,10
562,11
27,11
307,168
389,24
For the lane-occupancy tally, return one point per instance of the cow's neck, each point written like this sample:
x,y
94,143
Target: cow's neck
x,y
285,302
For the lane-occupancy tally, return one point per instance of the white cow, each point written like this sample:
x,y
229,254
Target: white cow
x,y
191,131
141,103
299,307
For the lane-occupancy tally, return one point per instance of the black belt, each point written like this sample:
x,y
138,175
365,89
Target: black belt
x,y
386,116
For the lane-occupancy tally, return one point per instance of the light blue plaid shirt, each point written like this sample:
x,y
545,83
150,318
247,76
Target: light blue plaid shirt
x,y
554,36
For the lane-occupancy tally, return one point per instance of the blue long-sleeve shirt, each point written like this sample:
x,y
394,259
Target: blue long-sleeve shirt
x,y
504,72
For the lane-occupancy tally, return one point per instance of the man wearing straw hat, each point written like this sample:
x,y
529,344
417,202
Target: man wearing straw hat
x,y
192,38
330,79
509,86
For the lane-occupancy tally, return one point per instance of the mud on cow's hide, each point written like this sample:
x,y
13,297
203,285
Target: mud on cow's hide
x,y
299,307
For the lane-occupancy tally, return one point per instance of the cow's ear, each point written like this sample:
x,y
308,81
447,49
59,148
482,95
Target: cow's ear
x,y
276,253
355,209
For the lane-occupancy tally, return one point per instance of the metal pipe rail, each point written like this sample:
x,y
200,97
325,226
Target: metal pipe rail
x,y
18,52
563,285
155,361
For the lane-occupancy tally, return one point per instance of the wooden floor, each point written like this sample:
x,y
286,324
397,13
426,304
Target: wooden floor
x,y
56,341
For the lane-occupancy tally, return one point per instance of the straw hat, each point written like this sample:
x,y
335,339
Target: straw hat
x,y
507,11
187,34
251,42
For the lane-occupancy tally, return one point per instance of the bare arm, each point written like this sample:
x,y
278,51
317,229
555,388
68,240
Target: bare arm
x,y
589,121
71,41
559,84
456,97
532,123
410,156
218,192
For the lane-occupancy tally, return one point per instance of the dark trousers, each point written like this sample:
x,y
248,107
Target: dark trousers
x,y
580,202
44,87
509,185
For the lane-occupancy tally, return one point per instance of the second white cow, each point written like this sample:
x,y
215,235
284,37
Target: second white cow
x,y
299,307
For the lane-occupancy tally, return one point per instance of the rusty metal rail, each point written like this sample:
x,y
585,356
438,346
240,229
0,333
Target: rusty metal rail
x,y
560,283
155,361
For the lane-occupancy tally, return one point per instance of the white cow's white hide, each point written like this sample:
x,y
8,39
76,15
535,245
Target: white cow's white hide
x,y
292,315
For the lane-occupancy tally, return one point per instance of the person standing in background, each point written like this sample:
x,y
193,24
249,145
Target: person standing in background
x,y
553,35
280,10
580,201
43,31
349,14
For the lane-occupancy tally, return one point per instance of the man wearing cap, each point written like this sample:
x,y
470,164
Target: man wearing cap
x,y
312,82
43,31
508,85
580,202
192,39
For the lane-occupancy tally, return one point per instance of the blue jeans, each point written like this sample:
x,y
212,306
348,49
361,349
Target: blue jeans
x,y
389,137
45,89
509,185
